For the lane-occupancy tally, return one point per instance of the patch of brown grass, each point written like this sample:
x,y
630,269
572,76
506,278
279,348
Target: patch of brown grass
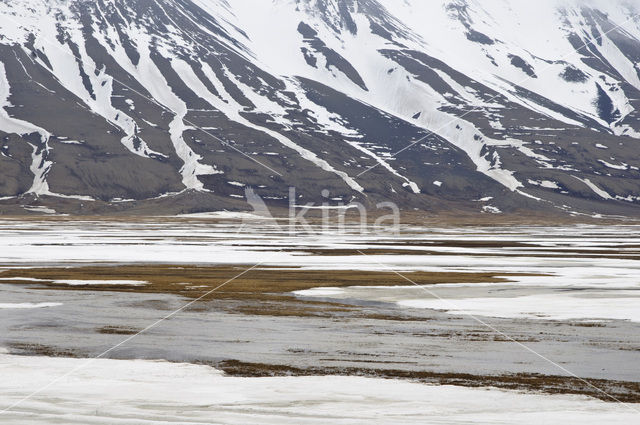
x,y
41,350
625,391
117,330
258,283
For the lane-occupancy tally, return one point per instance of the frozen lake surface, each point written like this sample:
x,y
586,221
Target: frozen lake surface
x,y
153,392
584,271
575,300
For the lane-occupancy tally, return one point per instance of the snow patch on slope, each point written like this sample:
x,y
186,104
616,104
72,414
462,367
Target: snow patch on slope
x,y
67,70
601,193
304,153
398,94
330,121
148,74
232,109
39,165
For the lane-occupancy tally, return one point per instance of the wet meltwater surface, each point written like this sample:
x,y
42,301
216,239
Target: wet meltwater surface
x,y
570,294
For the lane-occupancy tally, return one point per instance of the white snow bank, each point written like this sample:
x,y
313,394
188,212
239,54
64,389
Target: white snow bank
x,y
75,282
41,209
491,209
27,305
138,391
231,215
556,306
319,292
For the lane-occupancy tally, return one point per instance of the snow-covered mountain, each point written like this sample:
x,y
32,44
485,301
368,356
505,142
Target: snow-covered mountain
x,y
485,105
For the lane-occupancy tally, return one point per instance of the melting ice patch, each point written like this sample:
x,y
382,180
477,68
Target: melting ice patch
x,y
77,282
563,306
491,209
40,209
319,292
104,391
27,305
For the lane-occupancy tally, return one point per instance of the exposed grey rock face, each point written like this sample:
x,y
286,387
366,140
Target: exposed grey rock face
x,y
174,106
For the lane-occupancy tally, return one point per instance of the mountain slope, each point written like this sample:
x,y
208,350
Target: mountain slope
x,y
110,104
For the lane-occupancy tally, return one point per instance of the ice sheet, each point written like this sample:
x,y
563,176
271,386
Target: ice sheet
x,y
153,392
27,305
